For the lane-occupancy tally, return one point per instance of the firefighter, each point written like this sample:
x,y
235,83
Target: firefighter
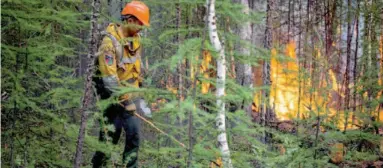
x,y
119,65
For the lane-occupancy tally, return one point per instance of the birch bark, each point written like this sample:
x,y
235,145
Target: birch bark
x,y
221,77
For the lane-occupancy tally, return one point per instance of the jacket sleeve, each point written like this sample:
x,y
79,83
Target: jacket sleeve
x,y
108,65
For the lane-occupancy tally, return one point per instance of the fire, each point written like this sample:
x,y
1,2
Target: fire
x,y
284,96
284,88
206,71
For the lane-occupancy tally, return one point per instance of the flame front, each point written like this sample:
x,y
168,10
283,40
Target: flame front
x,y
290,95
284,88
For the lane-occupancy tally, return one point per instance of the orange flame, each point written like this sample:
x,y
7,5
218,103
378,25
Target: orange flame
x,y
284,96
207,60
284,88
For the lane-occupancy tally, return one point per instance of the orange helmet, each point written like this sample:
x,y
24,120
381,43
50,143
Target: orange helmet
x,y
139,10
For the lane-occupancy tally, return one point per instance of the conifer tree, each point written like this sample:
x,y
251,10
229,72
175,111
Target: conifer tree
x,y
39,64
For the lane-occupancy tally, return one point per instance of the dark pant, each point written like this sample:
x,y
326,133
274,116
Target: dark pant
x,y
116,115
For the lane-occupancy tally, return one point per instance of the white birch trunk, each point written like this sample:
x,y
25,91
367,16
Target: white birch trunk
x,y
221,77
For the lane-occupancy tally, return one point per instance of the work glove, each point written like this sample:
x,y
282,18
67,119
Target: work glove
x,y
143,107
129,106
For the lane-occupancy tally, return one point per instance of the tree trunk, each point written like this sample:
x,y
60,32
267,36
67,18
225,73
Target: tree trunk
x,y
221,77
88,82
245,33
347,74
266,113
114,8
299,63
380,109
180,62
329,26
257,39
355,62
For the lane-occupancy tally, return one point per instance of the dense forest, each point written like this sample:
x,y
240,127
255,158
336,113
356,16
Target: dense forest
x,y
230,83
